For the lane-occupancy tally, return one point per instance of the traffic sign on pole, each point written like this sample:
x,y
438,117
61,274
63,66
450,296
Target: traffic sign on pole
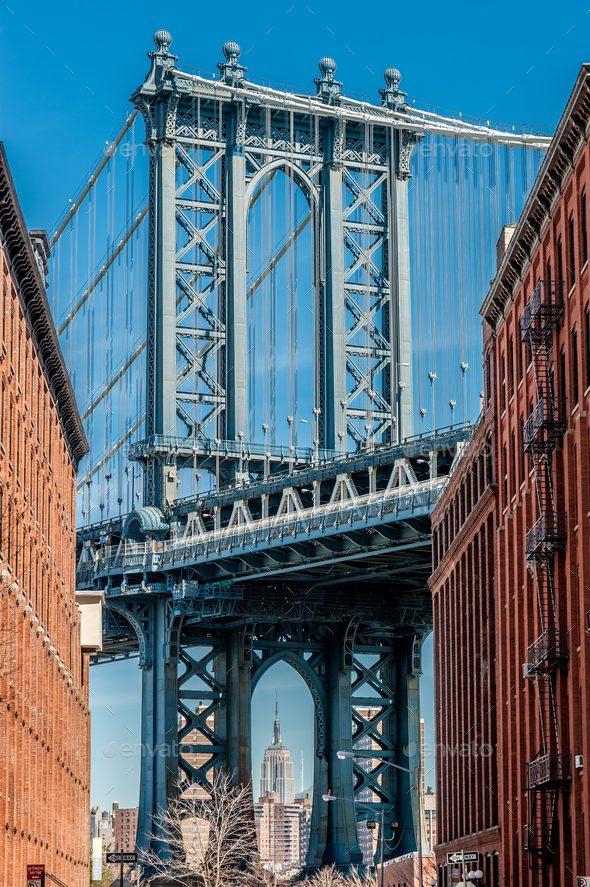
x,y
583,882
35,875
463,857
121,857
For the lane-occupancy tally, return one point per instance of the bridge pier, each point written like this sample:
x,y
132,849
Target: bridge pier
x,y
159,728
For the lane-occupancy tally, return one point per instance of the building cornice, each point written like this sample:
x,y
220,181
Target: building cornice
x,y
570,136
31,287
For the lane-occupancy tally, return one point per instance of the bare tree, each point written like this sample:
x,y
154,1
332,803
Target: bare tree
x,y
211,839
330,876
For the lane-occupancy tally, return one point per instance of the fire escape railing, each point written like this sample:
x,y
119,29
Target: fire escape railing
x,y
550,769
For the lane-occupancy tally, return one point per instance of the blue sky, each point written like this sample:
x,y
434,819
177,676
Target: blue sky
x,y
67,70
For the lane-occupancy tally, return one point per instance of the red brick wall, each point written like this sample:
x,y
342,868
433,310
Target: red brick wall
x,y
463,590
44,714
465,582
518,613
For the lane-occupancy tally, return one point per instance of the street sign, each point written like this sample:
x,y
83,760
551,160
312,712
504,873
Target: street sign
x,y
121,857
583,882
35,875
459,857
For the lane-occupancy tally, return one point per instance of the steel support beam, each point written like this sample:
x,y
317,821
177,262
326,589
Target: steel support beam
x,y
332,319
235,287
159,729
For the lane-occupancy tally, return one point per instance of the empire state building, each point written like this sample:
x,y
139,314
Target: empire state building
x,y
276,770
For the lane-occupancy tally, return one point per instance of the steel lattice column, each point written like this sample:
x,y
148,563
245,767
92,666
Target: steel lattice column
x,y
333,383
342,841
235,257
159,728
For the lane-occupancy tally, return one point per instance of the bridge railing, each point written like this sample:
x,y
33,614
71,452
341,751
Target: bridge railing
x,y
155,555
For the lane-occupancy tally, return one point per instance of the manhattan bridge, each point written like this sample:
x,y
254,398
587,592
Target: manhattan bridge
x,y
268,307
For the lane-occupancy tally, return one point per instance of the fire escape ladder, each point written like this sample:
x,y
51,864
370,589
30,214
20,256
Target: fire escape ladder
x,y
550,770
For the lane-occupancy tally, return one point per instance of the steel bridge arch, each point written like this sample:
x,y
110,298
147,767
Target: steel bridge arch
x,y
306,183
313,683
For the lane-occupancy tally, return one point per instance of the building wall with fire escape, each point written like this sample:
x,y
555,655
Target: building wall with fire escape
x,y
537,390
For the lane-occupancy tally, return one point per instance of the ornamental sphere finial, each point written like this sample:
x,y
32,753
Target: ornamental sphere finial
x,y
232,50
327,65
162,39
392,76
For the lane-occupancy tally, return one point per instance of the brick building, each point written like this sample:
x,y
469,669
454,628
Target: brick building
x,y
281,830
125,828
465,668
44,714
510,606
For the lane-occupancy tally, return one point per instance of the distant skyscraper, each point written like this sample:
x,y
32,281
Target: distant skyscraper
x,y
276,770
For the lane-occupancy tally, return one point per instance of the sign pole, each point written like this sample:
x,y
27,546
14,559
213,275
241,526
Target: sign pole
x,y
121,884
462,868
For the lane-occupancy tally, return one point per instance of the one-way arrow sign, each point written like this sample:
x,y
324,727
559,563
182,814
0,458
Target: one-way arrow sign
x,y
459,857
121,857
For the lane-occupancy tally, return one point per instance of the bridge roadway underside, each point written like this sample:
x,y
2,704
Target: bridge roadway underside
x,y
344,602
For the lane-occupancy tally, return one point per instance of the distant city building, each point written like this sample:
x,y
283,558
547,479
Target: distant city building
x,y
276,770
125,828
102,825
430,817
45,718
282,831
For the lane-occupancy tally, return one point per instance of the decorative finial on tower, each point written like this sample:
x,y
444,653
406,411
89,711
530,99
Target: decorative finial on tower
x,y
163,39
392,96
162,58
328,89
231,71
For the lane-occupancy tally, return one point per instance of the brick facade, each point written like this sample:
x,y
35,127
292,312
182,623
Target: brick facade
x,y
549,244
464,605
44,714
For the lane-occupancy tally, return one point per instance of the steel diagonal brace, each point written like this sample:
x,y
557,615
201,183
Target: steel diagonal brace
x,y
199,298
363,198
197,237
197,174
363,319
363,258
365,380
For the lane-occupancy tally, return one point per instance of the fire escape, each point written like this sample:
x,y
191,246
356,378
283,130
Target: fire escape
x,y
550,770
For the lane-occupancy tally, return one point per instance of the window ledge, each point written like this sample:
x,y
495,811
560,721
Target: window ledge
x,y
573,286
584,268
576,408
520,385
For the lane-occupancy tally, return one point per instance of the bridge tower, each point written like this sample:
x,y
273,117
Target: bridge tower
x,y
212,142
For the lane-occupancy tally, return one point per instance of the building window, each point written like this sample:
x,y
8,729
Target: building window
x,y
563,372
510,367
490,462
572,253
488,385
575,379
584,226
587,337
513,464
560,260
522,453
503,382
505,474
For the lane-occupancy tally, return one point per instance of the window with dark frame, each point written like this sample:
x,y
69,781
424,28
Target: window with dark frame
x,y
503,382
505,474
575,379
587,343
560,260
572,252
513,464
563,372
510,367
584,227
